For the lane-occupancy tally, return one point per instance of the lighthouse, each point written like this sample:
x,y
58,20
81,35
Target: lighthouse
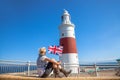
x,y
69,56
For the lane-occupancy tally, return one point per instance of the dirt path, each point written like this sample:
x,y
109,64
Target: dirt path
x,y
11,77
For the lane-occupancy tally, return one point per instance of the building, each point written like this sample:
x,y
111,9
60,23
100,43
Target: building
x,y
69,57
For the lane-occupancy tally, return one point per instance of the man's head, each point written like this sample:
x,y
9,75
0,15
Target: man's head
x,y
42,51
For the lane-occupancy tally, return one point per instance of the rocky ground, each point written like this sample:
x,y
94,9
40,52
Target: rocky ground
x,y
12,77
102,75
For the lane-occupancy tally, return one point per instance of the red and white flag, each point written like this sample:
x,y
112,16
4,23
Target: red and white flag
x,y
57,50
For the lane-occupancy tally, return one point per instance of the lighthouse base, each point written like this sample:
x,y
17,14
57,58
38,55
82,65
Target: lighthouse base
x,y
70,62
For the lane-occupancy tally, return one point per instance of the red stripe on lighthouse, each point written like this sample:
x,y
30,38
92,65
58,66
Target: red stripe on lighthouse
x,y
69,45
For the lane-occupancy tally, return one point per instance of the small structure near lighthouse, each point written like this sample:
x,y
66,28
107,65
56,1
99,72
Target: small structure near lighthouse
x,y
69,56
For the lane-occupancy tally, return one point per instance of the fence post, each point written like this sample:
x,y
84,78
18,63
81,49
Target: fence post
x,y
64,65
79,70
28,63
96,73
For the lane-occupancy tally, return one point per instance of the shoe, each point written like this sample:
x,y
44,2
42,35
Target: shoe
x,y
66,73
57,73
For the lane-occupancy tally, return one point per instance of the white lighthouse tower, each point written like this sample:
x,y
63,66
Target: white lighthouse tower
x,y
69,56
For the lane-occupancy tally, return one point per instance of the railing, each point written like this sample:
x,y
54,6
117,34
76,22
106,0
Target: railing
x,y
17,67
28,68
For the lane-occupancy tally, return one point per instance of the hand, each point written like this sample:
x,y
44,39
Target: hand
x,y
59,62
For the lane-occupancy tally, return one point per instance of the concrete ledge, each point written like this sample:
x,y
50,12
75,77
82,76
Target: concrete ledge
x,y
11,77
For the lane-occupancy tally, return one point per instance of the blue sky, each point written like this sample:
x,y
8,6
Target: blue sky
x,y
26,25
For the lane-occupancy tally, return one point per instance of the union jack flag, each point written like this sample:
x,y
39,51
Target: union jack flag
x,y
57,50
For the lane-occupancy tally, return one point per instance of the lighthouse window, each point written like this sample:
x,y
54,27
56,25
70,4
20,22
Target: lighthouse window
x,y
62,34
62,18
62,45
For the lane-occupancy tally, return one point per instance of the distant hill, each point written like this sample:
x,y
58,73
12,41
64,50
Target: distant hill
x,y
100,63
